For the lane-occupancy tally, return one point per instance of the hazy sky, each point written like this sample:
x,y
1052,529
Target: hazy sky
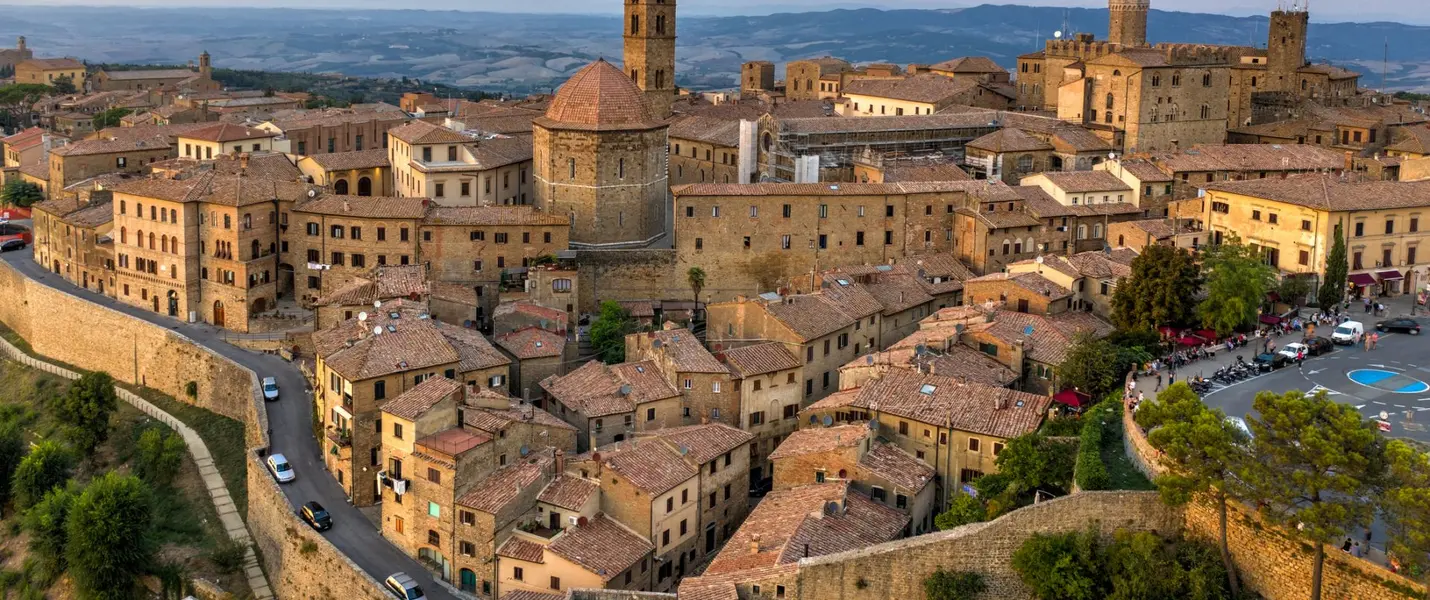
x,y
1324,10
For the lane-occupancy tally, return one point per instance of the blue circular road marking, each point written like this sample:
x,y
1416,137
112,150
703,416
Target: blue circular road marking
x,y
1388,381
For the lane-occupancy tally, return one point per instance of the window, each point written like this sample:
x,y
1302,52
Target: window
x,y
1306,224
649,414
433,475
467,518
1304,258
397,430
517,573
1360,229
434,510
997,448
555,582
1389,226
973,444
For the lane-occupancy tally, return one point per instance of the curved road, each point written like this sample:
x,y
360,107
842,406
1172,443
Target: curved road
x,y
291,434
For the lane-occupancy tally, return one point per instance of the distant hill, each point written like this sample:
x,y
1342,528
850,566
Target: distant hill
x,y
521,53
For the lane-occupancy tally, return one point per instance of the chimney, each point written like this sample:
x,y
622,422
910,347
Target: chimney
x,y
560,462
755,544
1350,162
346,207
243,162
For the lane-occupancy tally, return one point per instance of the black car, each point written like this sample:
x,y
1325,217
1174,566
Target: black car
x,y
1270,361
15,244
1317,346
316,516
1409,326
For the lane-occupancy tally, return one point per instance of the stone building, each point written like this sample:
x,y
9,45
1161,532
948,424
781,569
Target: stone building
x,y
458,169
600,158
72,238
885,473
978,68
1182,232
223,138
1083,188
359,173
9,57
802,77
767,377
488,247
1127,22
1008,155
704,149
29,147
536,354
1148,100
1091,277
381,284
1008,224
44,71
919,95
152,79
611,403
1020,291
333,239
784,146
1035,357
650,52
82,160
757,76
707,392
336,130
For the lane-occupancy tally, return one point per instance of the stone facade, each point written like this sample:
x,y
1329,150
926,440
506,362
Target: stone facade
x,y
612,184
325,255
1127,22
650,51
757,76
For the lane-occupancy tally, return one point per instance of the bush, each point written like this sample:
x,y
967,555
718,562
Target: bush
x,y
47,467
962,510
85,409
1091,473
109,545
1061,566
228,556
1135,566
46,523
159,456
951,585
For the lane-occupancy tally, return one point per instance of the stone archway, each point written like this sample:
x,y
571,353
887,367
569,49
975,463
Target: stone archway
x,y
364,186
218,313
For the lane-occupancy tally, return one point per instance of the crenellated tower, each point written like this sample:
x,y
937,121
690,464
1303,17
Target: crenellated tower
x,y
650,51
1127,22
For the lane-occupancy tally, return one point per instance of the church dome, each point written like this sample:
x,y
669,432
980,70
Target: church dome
x,y
599,97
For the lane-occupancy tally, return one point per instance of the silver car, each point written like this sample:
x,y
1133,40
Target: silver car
x,y
404,587
282,471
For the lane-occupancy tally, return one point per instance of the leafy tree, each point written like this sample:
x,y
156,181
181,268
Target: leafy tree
x,y
46,524
1333,285
1237,282
1317,465
608,332
21,193
1061,566
47,467
110,118
12,451
962,510
64,84
1202,452
17,98
1033,461
1142,565
159,457
1406,505
1159,292
1293,289
109,546
696,277
85,410
1097,367
953,585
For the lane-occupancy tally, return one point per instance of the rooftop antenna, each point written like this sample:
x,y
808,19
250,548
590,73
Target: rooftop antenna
x,y
1385,64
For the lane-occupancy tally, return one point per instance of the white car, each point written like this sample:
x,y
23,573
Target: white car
x,y
404,587
270,389
1295,349
282,471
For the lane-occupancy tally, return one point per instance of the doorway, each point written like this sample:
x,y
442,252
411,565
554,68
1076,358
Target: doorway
x,y
218,313
555,520
173,303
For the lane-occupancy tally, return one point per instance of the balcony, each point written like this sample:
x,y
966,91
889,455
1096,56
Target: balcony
x,y
342,438
398,485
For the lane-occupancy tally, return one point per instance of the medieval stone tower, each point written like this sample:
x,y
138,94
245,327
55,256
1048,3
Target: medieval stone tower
x,y
205,66
1285,48
650,51
1127,22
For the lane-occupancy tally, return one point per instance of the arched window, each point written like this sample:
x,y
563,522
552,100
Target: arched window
x,y
1109,100
1006,246
340,187
139,209
1156,79
123,235
1030,245
1082,232
1207,79
660,24
635,24
139,238
164,243
151,240
1097,231
247,221
1176,79
1018,247
1117,72
1206,111
364,189
1108,119
173,216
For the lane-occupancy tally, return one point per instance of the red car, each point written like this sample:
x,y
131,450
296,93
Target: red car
x,y
14,237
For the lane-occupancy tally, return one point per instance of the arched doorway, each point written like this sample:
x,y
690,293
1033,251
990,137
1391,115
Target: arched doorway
x,y
259,306
155,298
364,187
173,303
468,581
254,248
340,187
1056,163
218,313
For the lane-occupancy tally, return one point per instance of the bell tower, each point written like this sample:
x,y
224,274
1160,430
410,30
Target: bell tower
x,y
1127,22
650,51
205,66
1286,47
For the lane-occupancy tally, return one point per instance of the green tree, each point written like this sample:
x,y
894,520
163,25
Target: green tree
x,y
109,547
1033,461
696,277
1202,452
158,457
608,332
1141,565
64,84
1062,566
1317,466
1333,285
1097,367
85,409
21,193
12,451
1160,291
962,510
46,524
46,467
16,98
110,118
1293,289
953,585
1237,282
1406,506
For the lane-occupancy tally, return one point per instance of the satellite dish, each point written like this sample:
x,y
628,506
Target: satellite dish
x,y
828,420
377,330
869,359
525,450
362,316
626,390
656,344
873,425
1058,34
377,304
1038,260
1384,416
312,193
920,349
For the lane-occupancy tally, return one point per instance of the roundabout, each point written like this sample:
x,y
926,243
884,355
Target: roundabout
x,y
1388,381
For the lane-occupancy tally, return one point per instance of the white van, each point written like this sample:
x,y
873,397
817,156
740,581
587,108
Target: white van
x,y
1348,332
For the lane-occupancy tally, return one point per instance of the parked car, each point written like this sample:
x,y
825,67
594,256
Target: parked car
x,y
1409,326
1270,362
12,244
404,587
270,389
14,237
316,516
1294,350
1318,345
1347,333
282,471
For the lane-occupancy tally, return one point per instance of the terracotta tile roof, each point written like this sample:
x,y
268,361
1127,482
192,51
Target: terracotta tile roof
x,y
1001,219
149,74
1331,193
897,292
1414,140
704,443
411,339
492,216
521,549
1052,336
959,120
51,63
599,97
827,189
385,282
1077,139
849,296
1251,157
395,352
361,159
552,315
502,151
263,165
809,316
948,402
373,207
473,349
24,139
413,402
602,546
971,366
226,132
1142,57
759,359
445,446
798,523
569,492
839,399
1009,140
928,88
1160,229
1332,71
686,352
453,292
820,439
493,420
422,132
532,342
710,130
1144,170
499,489
111,146
334,118
1074,182
207,186
946,171
969,64
60,206
945,265
595,389
638,308
896,466
91,217
654,465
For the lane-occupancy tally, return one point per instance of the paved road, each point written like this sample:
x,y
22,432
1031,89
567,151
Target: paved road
x,y
290,432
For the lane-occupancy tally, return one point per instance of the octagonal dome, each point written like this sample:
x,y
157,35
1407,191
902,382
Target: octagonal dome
x,y
599,97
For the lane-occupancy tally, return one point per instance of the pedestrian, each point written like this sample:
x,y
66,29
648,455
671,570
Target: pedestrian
x,y
1367,343
1346,547
1356,550
1171,379
1367,537
1159,383
1374,340
1300,361
1367,304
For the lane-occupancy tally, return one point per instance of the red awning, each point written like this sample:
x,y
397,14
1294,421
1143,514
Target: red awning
x,y
1270,319
1390,275
1072,398
1166,330
1207,334
1362,279
1190,341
